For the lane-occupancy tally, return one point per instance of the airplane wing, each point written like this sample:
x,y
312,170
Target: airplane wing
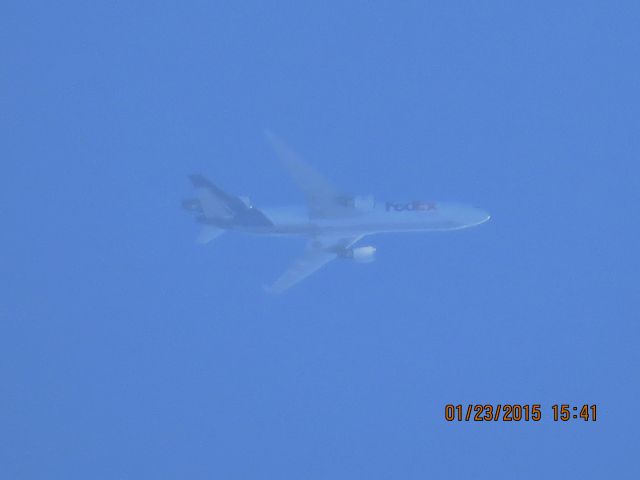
x,y
322,197
319,252
208,234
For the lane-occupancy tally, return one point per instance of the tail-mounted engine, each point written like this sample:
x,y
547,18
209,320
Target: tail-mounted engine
x,y
362,203
193,205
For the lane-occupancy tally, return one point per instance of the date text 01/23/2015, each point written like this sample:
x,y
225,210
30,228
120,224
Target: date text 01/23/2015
x,y
518,412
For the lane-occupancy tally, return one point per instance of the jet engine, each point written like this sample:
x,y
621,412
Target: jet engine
x,y
362,203
361,254
365,204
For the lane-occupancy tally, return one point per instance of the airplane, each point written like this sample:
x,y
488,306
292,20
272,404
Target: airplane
x,y
331,222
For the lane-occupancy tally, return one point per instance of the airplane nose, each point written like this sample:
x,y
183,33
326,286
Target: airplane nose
x,y
481,216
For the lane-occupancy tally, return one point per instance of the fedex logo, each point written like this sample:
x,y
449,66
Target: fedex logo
x,y
411,206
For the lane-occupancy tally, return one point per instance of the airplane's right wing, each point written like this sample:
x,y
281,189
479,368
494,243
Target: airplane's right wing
x,y
322,197
319,252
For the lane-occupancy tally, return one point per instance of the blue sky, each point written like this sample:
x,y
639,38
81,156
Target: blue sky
x,y
127,351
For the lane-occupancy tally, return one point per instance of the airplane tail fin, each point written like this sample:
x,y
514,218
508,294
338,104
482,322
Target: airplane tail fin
x,y
213,208
219,211
212,202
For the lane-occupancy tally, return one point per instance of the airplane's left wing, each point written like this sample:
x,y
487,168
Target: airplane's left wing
x,y
319,252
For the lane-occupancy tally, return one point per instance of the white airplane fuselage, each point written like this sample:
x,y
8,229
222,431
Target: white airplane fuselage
x,y
383,217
